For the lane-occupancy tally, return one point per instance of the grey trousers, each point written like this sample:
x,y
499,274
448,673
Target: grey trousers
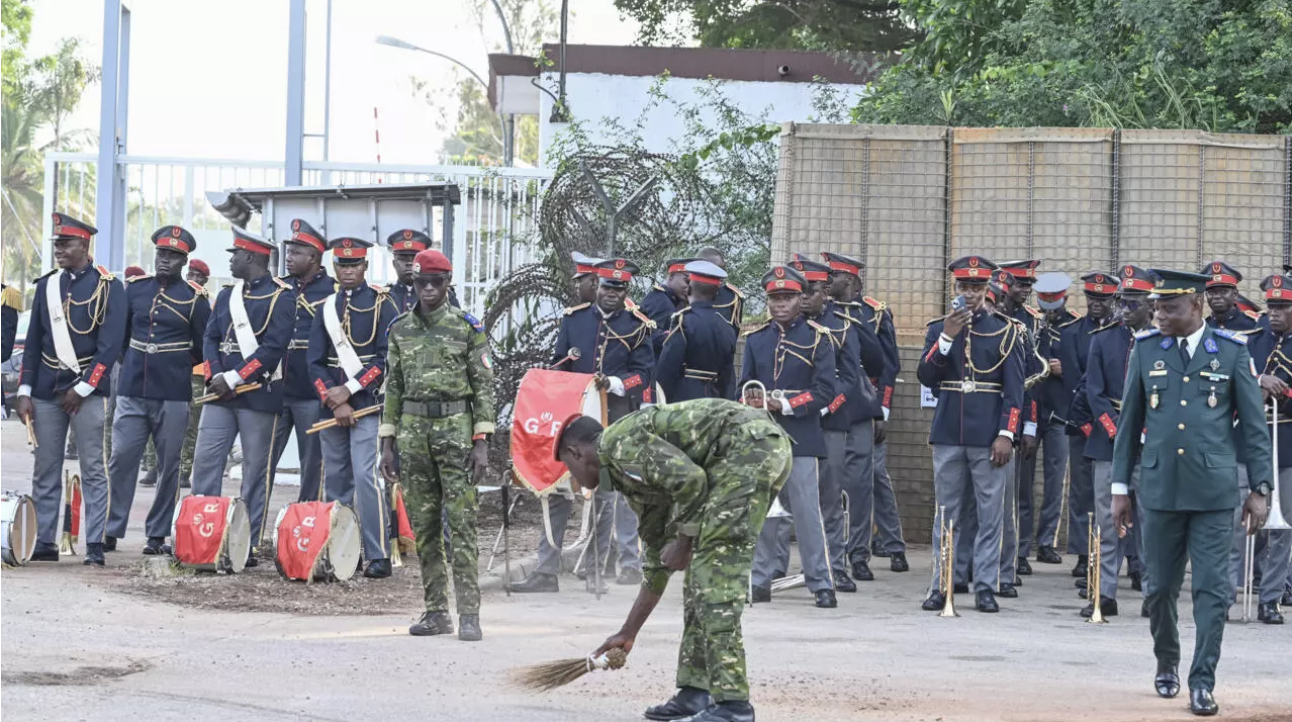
x,y
887,521
1081,495
1111,549
1054,448
801,497
219,426
136,421
350,458
961,473
833,469
559,507
1009,519
300,415
50,426
858,482
1276,563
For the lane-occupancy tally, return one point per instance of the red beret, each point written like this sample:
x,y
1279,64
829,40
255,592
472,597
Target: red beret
x,y
132,271
432,261
200,266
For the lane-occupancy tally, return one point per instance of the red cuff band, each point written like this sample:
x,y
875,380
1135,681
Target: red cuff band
x,y
1013,421
838,401
249,368
479,437
367,378
888,397
1086,429
97,374
1034,412
632,382
206,370
803,398
1108,424
321,388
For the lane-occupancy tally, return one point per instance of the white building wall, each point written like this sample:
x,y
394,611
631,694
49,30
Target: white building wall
x,y
593,97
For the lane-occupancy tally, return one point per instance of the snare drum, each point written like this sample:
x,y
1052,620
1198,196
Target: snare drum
x,y
339,556
212,533
17,528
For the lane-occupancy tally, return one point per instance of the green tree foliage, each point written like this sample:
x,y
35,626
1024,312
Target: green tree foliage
x,y
477,134
828,25
1208,64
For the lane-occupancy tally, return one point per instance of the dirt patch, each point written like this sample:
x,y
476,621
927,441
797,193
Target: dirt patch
x,y
81,676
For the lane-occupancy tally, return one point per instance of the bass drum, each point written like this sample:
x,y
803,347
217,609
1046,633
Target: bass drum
x,y
340,556
17,528
235,543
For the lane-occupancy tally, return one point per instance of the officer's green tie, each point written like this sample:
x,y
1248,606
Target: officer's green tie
x,y
1184,351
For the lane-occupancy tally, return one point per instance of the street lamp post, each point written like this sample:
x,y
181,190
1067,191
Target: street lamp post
x,y
508,133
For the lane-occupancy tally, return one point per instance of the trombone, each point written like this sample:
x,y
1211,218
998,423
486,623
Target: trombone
x,y
1274,522
947,558
1094,575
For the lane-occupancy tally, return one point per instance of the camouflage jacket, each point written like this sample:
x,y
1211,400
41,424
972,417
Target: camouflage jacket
x,y
442,356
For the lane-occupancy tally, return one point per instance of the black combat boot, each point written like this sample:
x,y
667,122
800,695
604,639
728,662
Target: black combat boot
x,y
432,623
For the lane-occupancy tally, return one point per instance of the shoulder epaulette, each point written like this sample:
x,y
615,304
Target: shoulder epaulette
x,y
12,298
820,328
844,316
140,277
47,275
1035,312
630,304
642,317
475,322
932,321
105,273
874,303
847,304
282,284
1075,317
736,291
1254,315
1103,328
381,290
756,329
1237,338
286,279
198,288
572,309
657,287
1150,333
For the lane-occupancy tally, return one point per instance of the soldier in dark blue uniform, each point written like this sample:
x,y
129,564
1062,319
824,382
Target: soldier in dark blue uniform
x,y
730,301
1110,349
311,284
404,246
165,321
347,362
1272,352
666,299
1072,353
971,362
243,345
880,363
614,343
793,358
698,357
1222,298
78,323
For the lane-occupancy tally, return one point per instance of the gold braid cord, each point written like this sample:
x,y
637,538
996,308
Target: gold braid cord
x,y
100,301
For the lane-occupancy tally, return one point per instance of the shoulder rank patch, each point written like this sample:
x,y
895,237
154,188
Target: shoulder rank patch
x,y
1254,315
629,304
736,291
749,331
282,284
198,289
874,303
1150,333
141,277
574,309
820,328
1036,313
1237,338
105,273
642,317
475,322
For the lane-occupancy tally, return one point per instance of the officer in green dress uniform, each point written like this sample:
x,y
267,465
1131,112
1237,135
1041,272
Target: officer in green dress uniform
x,y
1185,384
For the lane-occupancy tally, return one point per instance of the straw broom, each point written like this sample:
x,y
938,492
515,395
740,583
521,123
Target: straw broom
x,y
551,675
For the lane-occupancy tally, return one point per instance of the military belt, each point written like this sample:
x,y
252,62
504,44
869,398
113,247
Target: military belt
x,y
434,409
151,348
229,347
298,344
700,374
54,363
968,386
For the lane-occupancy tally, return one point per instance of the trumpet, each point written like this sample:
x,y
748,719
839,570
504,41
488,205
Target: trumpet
x,y
1093,574
753,393
1274,522
947,557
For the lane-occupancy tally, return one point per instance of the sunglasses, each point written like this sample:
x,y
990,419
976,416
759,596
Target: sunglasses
x,y
437,281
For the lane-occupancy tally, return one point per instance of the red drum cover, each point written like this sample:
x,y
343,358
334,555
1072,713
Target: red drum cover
x,y
200,528
302,536
546,398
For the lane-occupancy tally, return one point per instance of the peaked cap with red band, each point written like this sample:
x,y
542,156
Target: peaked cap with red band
x,y
676,265
584,264
66,226
1051,290
845,264
244,240
1136,280
348,251
175,238
432,261
811,270
1099,283
1025,270
1278,289
783,279
706,273
304,234
617,272
408,240
1221,274
972,269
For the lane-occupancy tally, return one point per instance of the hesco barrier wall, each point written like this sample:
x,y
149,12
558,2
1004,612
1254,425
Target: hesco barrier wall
x,y
909,199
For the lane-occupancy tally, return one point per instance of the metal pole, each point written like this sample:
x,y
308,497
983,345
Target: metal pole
x,y
293,174
110,191
327,95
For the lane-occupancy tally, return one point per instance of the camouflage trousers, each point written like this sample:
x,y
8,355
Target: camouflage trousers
x,y
742,486
434,455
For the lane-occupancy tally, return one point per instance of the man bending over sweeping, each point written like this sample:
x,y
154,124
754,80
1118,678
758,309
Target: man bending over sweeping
x,y
701,475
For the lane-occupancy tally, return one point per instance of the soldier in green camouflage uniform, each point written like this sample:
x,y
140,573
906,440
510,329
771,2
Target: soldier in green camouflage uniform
x,y
700,475
438,417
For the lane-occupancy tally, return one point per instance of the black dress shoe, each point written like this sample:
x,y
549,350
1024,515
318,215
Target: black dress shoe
x,y
1143,609
688,701
761,595
377,569
1047,555
1084,594
725,712
1167,680
1269,613
1008,591
934,602
252,561
960,588
536,582
156,546
1080,569
93,554
1017,581
469,628
986,602
861,571
1024,568
1202,703
185,482
825,599
629,577
1107,607
844,583
45,553
898,562
150,479
1080,583
878,550
432,623
1287,599
109,543
1137,581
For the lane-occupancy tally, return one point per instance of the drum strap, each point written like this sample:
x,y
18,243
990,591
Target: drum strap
x,y
345,353
63,348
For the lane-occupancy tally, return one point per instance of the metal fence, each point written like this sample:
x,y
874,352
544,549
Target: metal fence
x,y
909,199
492,230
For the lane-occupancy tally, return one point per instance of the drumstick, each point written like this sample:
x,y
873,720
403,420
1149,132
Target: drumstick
x,y
31,436
244,388
332,422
